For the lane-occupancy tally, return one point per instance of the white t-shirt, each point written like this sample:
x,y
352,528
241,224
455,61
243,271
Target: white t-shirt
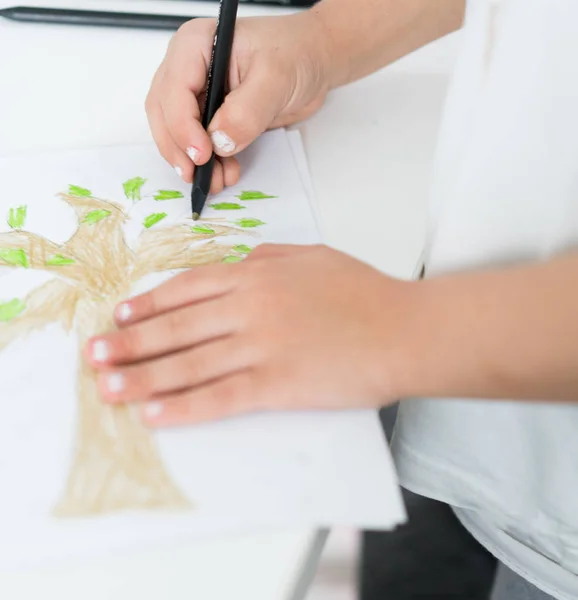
x,y
506,191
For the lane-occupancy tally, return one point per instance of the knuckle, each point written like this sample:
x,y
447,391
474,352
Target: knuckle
x,y
258,270
263,282
178,372
234,395
243,118
165,375
264,249
232,172
195,365
130,342
141,381
172,326
151,303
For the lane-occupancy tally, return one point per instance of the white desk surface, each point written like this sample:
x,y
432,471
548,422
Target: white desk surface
x,y
369,150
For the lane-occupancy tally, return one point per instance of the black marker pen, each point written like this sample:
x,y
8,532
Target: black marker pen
x,y
216,80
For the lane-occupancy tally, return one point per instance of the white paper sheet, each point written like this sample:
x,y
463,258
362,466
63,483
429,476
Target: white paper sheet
x,y
296,142
309,468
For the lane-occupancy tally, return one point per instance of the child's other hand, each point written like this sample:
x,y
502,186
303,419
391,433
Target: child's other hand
x,y
277,76
291,327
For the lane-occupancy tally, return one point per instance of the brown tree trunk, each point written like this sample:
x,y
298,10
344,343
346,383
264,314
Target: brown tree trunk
x,y
116,465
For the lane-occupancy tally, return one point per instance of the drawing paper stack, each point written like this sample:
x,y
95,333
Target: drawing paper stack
x,y
80,478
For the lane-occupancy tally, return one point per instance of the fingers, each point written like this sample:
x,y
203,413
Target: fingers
x,y
183,83
231,170
183,370
183,119
226,172
168,333
224,398
198,284
168,148
217,181
176,129
247,112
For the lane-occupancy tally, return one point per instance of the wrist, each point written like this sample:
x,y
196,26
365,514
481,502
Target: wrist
x,y
428,354
391,360
448,345
334,64
399,337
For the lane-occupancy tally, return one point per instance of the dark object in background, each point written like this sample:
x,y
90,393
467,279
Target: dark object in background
x,y
92,18
304,3
432,557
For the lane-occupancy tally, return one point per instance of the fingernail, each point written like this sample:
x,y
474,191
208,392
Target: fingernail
x,y
100,351
221,141
179,171
124,312
115,383
153,409
193,153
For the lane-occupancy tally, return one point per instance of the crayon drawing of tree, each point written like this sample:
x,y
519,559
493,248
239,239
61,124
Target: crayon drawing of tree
x,y
116,465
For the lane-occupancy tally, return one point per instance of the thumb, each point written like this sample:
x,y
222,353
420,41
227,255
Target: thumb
x,y
246,113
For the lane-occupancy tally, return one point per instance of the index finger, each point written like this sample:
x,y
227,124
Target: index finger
x,y
184,81
182,117
197,285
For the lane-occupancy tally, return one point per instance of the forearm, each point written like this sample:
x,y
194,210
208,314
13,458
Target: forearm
x,y
508,333
365,35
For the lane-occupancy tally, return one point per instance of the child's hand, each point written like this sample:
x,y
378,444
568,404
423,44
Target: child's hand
x,y
277,77
291,327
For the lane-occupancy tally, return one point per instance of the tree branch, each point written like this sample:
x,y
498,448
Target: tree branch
x,y
53,302
82,205
178,247
22,249
99,238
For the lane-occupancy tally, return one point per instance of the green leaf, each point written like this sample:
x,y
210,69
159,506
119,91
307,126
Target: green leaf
x,y
226,206
59,260
17,217
15,257
153,219
11,309
168,195
94,216
253,195
232,259
79,192
249,223
243,249
202,229
132,188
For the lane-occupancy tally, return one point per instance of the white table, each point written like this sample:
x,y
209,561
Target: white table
x,y
369,150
